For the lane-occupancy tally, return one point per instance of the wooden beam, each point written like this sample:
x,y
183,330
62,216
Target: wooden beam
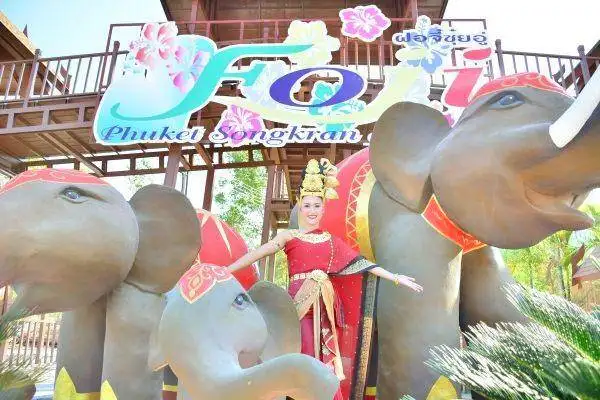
x,y
204,155
332,153
63,146
185,163
45,128
172,164
267,214
208,189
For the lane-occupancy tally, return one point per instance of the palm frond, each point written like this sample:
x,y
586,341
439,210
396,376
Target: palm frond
x,y
568,321
484,376
579,378
524,350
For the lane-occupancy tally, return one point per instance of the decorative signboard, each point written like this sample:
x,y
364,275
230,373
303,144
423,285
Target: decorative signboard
x,y
169,76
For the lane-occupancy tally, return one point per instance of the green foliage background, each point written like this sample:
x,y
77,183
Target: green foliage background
x,y
240,196
547,265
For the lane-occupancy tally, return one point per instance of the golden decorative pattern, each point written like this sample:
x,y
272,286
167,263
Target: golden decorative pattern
x,y
443,389
64,389
319,180
357,211
362,216
367,335
311,237
357,266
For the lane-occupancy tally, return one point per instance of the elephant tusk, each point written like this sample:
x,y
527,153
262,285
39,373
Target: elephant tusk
x,y
568,125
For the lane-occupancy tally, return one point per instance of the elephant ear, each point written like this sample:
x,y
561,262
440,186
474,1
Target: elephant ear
x,y
169,238
279,312
402,150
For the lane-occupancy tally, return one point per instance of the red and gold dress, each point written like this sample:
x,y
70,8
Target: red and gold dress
x,y
335,302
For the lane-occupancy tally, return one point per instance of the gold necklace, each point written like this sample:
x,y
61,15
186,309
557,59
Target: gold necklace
x,y
311,237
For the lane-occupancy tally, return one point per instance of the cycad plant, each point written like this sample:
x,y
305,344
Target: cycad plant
x,y
556,356
15,377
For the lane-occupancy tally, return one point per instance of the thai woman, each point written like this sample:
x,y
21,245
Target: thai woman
x,y
319,265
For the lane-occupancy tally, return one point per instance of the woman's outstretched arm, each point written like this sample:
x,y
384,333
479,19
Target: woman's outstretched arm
x,y
397,278
271,247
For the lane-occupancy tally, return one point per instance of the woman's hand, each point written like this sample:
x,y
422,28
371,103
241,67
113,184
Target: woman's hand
x,y
408,282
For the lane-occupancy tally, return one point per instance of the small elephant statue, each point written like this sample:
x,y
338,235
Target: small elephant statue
x,y
429,200
70,242
225,343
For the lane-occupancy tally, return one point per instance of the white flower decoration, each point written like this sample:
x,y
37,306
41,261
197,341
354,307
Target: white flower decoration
x,y
420,89
315,33
259,91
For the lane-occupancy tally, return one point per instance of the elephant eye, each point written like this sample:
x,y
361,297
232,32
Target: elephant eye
x,y
73,195
506,100
241,301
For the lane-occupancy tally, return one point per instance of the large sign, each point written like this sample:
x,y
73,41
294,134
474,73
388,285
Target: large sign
x,y
168,77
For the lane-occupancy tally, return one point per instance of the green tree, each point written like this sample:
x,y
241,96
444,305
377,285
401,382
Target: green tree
x,y
136,182
241,197
556,356
547,265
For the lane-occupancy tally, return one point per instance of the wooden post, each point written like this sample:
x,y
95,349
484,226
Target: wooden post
x,y
172,165
31,78
585,69
500,57
414,11
208,189
267,216
271,266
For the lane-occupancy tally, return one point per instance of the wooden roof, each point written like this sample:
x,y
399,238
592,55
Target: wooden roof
x,y
589,270
14,45
181,10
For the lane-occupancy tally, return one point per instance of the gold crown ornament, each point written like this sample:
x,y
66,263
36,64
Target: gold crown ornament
x,y
319,179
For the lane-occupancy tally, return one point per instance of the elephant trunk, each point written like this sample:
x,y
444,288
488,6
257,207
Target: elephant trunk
x,y
571,123
132,315
298,376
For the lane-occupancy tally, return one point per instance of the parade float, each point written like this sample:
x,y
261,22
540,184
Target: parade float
x,y
148,305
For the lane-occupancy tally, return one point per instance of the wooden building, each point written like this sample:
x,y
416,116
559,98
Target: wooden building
x,y
47,104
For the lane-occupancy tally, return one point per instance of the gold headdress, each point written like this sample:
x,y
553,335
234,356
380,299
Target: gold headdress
x,y
319,179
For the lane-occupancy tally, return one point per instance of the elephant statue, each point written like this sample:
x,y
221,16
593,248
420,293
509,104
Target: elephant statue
x,y
429,200
70,242
225,343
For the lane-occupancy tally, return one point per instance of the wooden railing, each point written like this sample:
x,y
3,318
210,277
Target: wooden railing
x,y
35,341
32,81
66,77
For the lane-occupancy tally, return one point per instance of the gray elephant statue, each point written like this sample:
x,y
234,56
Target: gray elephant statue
x,y
243,345
70,242
429,200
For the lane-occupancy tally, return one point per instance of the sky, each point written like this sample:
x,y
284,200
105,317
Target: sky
x,y
64,27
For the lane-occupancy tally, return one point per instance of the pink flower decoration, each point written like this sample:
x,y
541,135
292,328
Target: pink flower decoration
x,y
187,69
239,124
364,22
157,41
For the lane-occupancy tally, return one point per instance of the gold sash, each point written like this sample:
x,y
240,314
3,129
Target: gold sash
x,y
317,285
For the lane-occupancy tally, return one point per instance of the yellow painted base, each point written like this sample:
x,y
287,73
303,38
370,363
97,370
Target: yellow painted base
x,y
170,388
64,389
107,392
443,389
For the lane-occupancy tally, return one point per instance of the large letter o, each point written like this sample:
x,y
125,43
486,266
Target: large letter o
x,y
352,85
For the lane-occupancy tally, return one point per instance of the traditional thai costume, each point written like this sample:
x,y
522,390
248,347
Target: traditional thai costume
x,y
334,298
